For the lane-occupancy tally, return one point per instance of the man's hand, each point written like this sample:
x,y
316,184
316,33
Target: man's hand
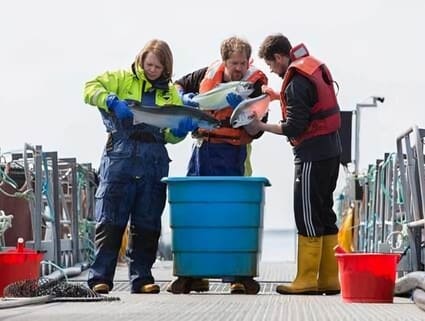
x,y
233,99
269,91
254,127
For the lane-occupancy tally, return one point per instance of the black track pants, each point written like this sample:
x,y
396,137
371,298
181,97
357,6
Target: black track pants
x,y
314,184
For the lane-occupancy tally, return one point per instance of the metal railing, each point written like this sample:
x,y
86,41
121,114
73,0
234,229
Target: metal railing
x,y
389,210
61,207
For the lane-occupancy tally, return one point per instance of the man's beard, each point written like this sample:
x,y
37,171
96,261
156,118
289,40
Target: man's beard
x,y
239,76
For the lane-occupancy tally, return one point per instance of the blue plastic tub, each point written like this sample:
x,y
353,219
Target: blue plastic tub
x,y
216,224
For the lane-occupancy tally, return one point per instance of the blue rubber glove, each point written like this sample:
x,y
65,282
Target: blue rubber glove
x,y
185,125
119,107
233,99
187,99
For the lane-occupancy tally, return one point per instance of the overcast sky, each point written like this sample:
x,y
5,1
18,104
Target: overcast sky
x,y
51,48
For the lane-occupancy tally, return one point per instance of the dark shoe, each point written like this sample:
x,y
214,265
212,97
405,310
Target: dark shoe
x,y
149,288
180,285
244,285
101,288
237,288
184,284
200,285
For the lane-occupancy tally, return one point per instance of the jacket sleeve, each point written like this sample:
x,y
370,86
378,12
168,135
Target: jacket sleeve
x,y
170,138
97,90
301,96
191,82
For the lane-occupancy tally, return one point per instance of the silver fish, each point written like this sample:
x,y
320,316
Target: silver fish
x,y
215,98
249,108
169,116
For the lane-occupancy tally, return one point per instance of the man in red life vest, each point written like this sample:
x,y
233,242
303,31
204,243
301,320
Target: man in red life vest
x,y
311,120
223,151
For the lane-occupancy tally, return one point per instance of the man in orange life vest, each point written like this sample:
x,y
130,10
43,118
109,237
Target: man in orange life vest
x,y
311,120
223,151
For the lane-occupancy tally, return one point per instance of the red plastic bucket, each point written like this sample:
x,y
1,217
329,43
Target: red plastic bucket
x,y
19,264
367,277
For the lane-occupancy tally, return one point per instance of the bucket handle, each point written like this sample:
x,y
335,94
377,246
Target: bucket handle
x,y
339,250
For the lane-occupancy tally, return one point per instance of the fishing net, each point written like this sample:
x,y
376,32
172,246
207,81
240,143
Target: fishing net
x,y
57,290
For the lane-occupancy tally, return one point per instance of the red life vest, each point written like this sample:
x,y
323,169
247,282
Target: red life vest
x,y
325,114
226,134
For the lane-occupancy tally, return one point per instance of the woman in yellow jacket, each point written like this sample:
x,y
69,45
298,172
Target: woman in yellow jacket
x,y
132,165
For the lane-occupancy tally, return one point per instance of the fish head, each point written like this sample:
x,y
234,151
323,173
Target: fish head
x,y
242,119
244,89
215,98
248,109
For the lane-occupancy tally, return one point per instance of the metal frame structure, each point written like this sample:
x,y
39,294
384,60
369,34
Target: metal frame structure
x,y
410,155
62,219
389,216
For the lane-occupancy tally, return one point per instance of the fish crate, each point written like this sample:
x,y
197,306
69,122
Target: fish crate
x,y
216,225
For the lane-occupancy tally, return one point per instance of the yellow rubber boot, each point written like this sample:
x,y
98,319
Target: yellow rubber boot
x,y
308,262
328,282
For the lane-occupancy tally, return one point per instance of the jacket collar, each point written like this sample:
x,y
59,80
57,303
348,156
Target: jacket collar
x,y
160,83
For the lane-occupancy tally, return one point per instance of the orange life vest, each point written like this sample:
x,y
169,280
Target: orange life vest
x,y
226,133
325,114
